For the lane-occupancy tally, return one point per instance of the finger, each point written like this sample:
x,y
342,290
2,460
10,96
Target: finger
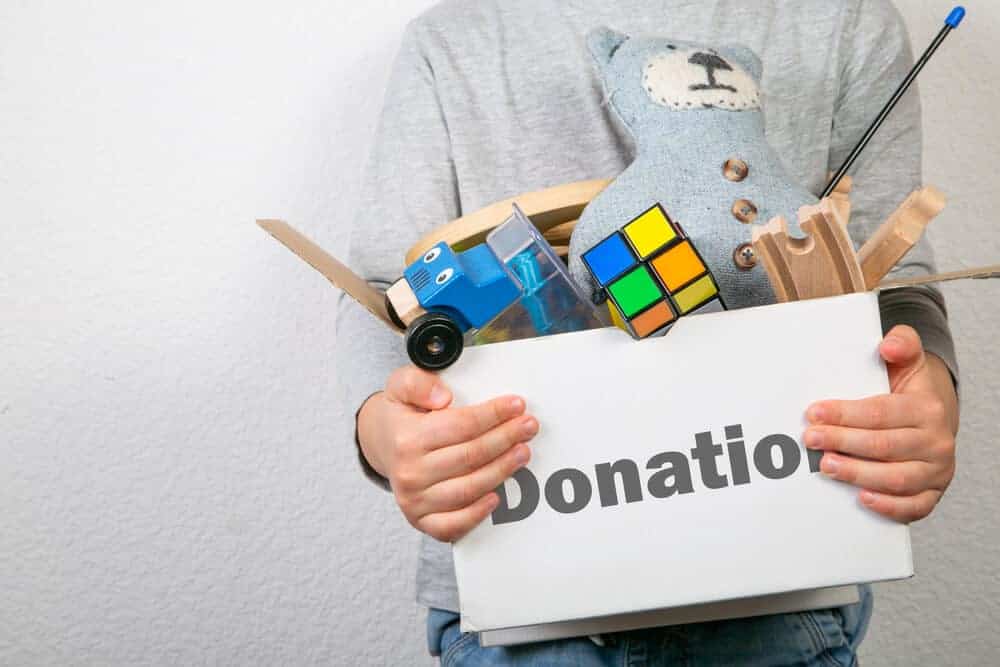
x,y
903,509
901,346
466,457
456,425
898,478
452,526
897,444
875,412
904,354
458,492
419,388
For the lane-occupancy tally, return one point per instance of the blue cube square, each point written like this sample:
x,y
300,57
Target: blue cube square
x,y
609,259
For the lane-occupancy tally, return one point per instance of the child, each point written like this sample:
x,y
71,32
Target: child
x,y
492,98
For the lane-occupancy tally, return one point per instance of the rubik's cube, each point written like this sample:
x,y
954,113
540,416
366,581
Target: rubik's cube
x,y
651,273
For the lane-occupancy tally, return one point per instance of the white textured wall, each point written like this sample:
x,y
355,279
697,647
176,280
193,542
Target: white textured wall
x,y
170,492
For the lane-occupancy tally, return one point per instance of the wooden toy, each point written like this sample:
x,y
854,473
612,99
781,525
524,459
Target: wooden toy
x,y
824,262
547,209
898,234
840,198
821,264
651,274
511,286
459,291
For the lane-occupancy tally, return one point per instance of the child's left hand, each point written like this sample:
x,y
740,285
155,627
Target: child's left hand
x,y
899,448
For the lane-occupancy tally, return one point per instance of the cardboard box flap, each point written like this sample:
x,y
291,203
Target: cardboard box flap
x,y
979,273
332,268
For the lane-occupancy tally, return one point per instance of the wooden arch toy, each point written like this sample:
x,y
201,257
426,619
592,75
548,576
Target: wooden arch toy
x,y
554,211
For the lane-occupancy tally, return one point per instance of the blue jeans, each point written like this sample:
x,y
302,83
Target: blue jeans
x,y
825,638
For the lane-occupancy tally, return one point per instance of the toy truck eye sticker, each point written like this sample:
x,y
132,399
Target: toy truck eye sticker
x,y
651,273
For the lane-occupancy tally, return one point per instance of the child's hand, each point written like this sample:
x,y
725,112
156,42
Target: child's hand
x,y
443,463
900,447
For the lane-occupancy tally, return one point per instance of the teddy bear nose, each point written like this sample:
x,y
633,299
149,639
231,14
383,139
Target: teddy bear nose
x,y
709,61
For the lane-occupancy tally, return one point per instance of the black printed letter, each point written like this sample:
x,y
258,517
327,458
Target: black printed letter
x,y
504,513
679,470
705,451
737,455
763,456
581,490
606,488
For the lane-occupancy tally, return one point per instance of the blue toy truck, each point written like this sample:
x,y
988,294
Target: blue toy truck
x,y
512,286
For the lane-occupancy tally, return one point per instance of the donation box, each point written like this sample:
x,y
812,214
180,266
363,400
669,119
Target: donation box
x,y
670,472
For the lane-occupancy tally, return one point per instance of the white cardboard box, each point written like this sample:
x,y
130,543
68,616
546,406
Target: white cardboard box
x,y
602,397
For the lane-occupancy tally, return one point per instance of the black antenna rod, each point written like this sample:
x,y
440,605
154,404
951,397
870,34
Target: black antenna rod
x,y
952,22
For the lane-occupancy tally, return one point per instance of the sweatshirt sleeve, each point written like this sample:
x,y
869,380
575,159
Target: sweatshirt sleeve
x,y
875,56
408,188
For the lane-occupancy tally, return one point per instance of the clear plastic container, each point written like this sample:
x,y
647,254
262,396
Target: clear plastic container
x,y
550,302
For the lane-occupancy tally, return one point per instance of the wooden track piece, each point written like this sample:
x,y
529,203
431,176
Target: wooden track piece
x,y
845,185
546,208
841,198
337,273
843,206
820,264
898,234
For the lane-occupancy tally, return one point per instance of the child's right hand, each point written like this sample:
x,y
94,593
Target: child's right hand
x,y
443,462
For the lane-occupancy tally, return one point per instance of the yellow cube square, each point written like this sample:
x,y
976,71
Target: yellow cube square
x,y
650,231
695,294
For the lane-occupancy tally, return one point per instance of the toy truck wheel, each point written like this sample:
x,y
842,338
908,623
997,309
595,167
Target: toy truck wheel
x,y
434,341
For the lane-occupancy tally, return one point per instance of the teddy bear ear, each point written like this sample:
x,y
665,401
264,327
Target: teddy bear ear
x,y
746,57
602,43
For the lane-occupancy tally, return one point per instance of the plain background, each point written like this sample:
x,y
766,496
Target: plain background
x,y
171,489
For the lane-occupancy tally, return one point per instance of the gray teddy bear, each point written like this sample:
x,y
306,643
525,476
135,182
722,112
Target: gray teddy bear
x,y
702,159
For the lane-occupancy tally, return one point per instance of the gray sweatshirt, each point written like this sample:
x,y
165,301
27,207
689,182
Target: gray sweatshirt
x,y
492,98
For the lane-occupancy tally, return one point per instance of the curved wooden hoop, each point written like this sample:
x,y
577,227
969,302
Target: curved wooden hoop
x,y
553,210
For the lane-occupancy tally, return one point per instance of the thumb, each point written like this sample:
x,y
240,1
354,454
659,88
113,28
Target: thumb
x,y
903,353
417,387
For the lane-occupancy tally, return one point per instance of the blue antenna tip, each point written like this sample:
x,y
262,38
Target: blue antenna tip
x,y
955,17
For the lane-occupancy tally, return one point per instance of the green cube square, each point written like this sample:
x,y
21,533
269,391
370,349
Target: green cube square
x,y
635,291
